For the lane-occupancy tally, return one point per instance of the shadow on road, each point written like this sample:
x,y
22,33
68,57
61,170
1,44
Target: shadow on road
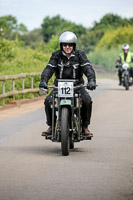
x,y
119,89
40,150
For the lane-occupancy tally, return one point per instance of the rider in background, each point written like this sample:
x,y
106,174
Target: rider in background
x,y
69,63
125,56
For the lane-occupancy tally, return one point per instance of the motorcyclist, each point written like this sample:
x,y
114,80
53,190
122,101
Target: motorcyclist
x,y
125,56
69,63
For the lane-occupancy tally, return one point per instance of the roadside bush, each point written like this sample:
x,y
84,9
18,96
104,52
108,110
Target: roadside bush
x,y
104,57
112,39
15,58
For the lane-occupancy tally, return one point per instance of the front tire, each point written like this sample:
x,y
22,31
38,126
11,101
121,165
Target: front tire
x,y
126,82
65,126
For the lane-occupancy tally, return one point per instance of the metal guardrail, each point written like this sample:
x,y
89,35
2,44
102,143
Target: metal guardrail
x,y
22,76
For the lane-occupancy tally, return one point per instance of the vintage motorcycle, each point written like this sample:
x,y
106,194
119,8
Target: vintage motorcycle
x,y
66,103
126,79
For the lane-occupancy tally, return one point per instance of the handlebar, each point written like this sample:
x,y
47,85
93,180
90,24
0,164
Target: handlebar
x,y
75,87
43,91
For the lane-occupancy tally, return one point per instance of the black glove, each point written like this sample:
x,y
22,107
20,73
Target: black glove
x,y
91,85
43,84
117,64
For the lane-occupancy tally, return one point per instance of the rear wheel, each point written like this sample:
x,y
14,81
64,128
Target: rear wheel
x,y
65,126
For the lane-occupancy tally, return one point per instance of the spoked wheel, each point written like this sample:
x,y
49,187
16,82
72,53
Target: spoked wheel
x,y
126,82
65,126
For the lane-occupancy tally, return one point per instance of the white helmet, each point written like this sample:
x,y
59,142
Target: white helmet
x,y
125,46
68,37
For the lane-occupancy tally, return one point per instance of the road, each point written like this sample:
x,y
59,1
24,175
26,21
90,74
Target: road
x,y
33,168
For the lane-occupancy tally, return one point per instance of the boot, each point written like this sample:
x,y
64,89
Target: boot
x,y
86,132
48,132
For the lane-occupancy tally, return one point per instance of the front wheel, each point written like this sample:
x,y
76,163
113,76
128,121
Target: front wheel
x,y
65,126
126,82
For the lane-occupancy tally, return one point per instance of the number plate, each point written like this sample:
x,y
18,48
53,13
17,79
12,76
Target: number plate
x,y
65,89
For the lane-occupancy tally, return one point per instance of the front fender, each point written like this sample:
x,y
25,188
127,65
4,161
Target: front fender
x,y
64,102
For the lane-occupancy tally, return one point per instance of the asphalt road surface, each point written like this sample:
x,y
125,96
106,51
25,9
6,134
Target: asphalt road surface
x,y
32,168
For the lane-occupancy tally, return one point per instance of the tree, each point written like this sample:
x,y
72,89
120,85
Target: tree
x,y
50,26
108,22
88,41
22,29
56,25
131,21
10,28
33,38
113,39
52,45
8,24
70,26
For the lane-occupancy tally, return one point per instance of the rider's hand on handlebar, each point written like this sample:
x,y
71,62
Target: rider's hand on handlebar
x,y
43,84
117,66
91,85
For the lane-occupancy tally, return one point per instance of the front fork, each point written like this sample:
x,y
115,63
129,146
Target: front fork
x,y
53,117
58,131
72,124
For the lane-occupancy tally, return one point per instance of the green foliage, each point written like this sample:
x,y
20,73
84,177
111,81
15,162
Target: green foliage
x,y
22,29
15,58
88,41
105,57
52,45
50,26
9,29
131,21
70,26
7,25
117,37
109,22
33,38
106,26
7,50
56,25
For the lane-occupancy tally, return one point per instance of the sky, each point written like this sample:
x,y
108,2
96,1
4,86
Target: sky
x,y
32,12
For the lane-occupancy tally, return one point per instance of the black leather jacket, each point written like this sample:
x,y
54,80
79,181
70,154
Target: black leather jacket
x,y
68,68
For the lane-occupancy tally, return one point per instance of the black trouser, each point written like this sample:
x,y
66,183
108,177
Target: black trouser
x,y
120,70
85,111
